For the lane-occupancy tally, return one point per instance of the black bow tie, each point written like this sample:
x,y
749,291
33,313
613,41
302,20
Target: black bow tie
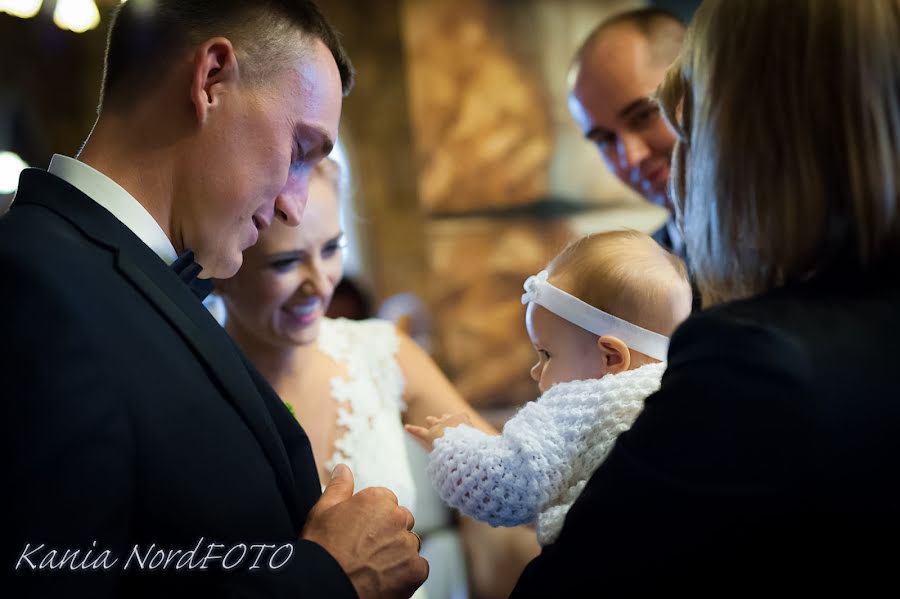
x,y
187,270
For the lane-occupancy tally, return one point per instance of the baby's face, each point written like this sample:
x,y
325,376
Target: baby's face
x,y
565,351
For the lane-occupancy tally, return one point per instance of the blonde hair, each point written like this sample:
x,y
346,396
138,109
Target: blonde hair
x,y
626,274
788,158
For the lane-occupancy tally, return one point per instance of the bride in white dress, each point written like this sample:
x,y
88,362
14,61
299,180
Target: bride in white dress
x,y
351,384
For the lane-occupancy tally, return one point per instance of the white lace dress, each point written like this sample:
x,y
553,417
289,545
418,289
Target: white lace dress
x,y
370,401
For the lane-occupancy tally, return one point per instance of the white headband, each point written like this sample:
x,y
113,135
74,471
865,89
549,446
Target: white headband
x,y
592,319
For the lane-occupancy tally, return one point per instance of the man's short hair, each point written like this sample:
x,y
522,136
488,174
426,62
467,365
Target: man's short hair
x,y
664,30
146,35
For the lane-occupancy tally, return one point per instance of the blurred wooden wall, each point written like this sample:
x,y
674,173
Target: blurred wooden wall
x,y
460,112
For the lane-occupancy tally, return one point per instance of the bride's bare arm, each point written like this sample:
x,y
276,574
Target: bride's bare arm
x,y
427,390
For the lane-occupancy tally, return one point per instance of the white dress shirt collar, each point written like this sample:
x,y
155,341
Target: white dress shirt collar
x,y
116,200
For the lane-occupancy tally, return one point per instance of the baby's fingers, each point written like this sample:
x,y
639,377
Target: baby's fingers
x,y
417,431
421,434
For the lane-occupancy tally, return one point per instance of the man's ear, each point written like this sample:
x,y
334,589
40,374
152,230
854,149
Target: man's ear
x,y
615,354
215,68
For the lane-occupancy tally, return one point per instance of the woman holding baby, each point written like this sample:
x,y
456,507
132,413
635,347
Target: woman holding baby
x,y
766,463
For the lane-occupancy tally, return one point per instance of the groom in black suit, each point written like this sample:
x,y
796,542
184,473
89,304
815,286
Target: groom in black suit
x,y
147,457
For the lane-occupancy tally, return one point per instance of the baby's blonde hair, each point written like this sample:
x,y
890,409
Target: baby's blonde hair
x,y
626,274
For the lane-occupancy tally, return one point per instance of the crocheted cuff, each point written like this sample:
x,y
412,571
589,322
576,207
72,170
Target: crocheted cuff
x,y
484,477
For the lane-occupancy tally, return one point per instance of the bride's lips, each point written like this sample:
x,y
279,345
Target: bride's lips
x,y
306,312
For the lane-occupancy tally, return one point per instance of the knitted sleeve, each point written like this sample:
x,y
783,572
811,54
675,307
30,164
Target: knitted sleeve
x,y
504,480
545,453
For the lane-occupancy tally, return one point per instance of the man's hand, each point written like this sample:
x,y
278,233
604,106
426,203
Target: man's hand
x,y
369,536
435,429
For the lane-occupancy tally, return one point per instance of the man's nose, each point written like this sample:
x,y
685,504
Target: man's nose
x,y
290,204
632,150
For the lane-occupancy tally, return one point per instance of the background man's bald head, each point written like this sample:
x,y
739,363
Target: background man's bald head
x,y
663,30
613,79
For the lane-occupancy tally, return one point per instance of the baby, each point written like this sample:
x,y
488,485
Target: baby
x,y
601,314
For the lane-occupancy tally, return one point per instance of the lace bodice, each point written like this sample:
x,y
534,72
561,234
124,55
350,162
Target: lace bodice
x,y
370,400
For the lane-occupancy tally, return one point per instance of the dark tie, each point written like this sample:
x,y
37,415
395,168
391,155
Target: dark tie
x,y
187,270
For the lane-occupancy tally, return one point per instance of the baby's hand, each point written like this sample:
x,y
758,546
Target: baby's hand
x,y
435,428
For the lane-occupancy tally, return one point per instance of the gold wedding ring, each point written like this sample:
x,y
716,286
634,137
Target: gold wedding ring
x,y
418,539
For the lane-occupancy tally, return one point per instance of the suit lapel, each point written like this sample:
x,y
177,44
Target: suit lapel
x,y
190,318
177,303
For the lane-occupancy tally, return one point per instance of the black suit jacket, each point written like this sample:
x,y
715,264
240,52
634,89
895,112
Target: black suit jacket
x,y
134,420
767,464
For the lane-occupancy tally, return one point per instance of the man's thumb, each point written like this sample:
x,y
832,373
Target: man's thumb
x,y
339,488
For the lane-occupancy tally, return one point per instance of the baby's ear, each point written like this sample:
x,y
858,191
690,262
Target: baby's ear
x,y
614,353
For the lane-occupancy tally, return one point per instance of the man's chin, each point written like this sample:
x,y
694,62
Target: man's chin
x,y
223,269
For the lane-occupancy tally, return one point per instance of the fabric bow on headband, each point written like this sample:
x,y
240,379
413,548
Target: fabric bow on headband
x,y
531,285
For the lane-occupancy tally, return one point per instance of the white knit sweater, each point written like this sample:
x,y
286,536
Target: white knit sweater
x,y
541,462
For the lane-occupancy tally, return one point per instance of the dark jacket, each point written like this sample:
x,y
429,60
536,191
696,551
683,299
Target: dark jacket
x,y
133,420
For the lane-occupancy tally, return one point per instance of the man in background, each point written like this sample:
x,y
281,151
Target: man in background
x,y
611,83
